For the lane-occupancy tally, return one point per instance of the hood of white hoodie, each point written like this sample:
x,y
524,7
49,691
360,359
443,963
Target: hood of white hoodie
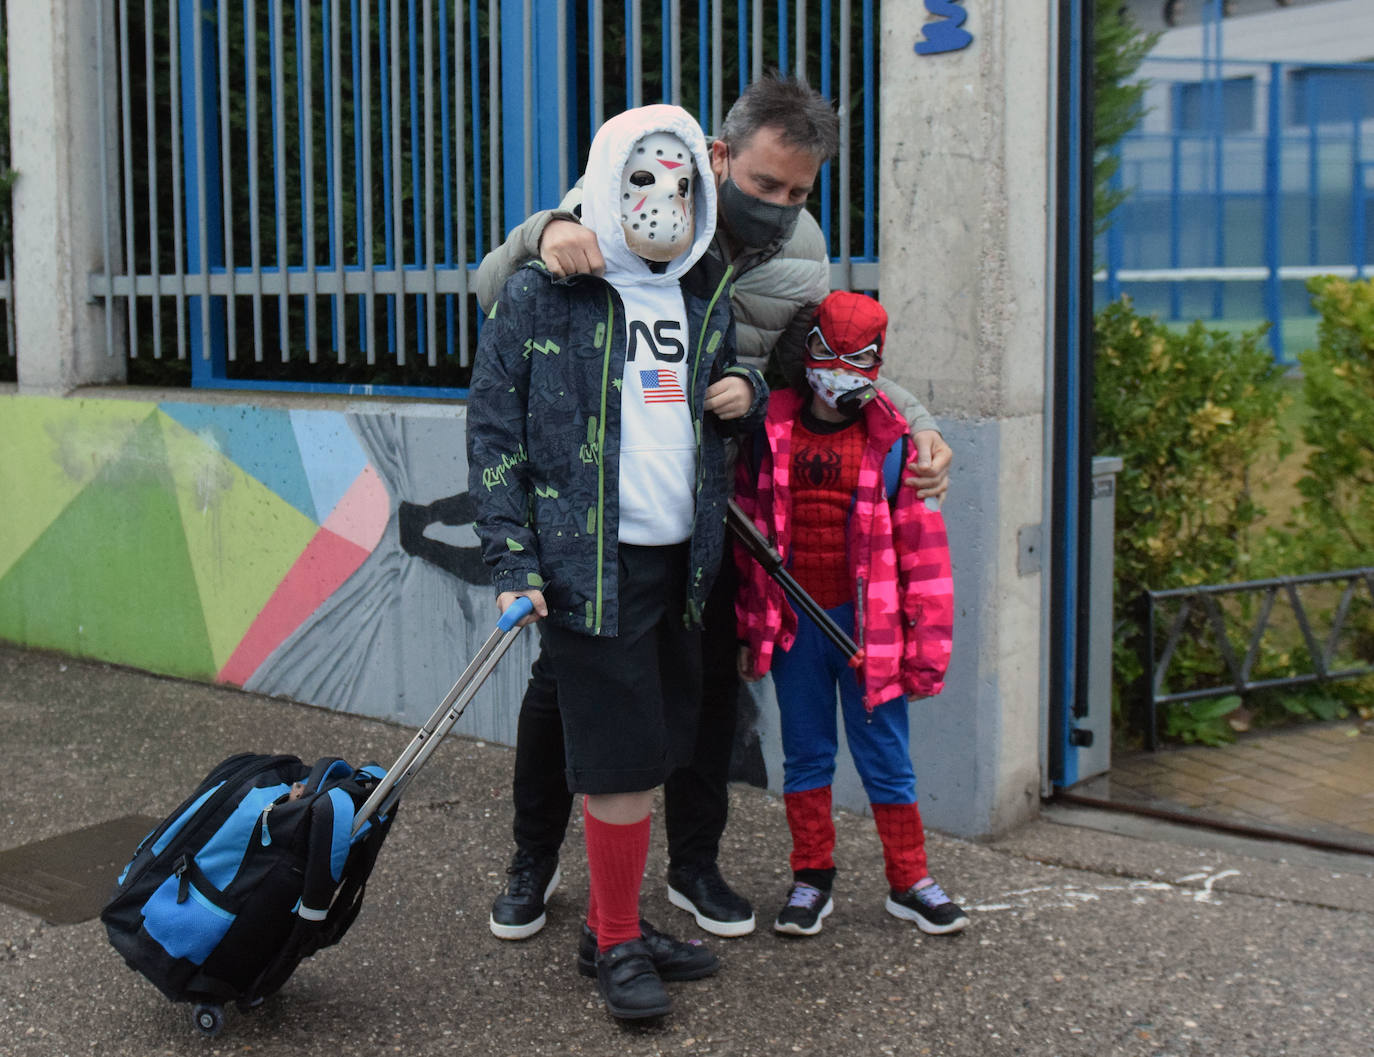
x,y
610,152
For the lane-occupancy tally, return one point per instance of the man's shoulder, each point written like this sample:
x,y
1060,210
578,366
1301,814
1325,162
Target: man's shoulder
x,y
807,241
799,273
801,262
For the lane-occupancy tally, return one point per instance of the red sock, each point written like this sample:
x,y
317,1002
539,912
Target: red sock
x,y
615,859
904,844
813,828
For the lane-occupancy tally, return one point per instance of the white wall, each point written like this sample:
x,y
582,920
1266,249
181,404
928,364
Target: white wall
x,y
58,237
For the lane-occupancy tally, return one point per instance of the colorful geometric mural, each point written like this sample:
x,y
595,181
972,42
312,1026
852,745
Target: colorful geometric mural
x,y
188,539
322,555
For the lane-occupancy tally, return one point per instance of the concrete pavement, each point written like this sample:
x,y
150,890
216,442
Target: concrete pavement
x,y
1126,938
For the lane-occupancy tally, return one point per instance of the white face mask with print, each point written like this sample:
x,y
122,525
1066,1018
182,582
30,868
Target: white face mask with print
x,y
831,385
656,197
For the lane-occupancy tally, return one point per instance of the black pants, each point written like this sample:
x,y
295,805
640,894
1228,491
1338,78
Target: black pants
x,y
696,801
630,701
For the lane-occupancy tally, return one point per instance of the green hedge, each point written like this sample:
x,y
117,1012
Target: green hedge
x,y
1191,415
1337,515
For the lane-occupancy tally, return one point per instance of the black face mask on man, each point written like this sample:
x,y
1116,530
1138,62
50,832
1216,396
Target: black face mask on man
x,y
755,223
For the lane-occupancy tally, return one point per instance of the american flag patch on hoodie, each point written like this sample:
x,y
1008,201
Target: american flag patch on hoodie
x,y
661,387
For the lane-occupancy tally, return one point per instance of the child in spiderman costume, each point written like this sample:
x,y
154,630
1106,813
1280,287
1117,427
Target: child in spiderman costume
x,y
876,558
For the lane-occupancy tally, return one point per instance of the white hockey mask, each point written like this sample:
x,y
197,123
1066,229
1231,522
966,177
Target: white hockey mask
x,y
656,197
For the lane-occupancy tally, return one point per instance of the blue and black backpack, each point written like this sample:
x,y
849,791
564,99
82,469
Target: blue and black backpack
x,y
246,878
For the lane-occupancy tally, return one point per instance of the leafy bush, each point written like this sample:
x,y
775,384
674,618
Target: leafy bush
x,y
1337,516
1203,722
1334,527
1192,415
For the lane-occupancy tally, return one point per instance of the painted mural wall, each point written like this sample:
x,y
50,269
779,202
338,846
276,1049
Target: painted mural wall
x,y
326,556
322,555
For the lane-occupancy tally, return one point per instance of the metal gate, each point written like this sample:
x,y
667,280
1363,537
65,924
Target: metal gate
x,y
298,190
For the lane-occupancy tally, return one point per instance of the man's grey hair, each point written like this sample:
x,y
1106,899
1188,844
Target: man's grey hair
x,y
804,118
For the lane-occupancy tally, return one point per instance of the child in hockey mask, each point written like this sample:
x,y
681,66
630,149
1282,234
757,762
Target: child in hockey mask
x,y
597,420
656,197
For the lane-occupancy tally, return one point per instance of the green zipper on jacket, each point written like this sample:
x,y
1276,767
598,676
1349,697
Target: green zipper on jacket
x,y
693,614
601,465
699,414
710,306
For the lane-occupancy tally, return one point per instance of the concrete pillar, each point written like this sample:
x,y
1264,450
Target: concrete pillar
x,y
965,170
58,238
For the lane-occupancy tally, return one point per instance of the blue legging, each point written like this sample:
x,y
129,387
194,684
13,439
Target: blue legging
x,y
805,678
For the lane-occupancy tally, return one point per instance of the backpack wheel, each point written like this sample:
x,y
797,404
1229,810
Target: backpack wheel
x,y
208,1018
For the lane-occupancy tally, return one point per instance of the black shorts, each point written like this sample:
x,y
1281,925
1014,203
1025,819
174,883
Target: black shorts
x,y
630,702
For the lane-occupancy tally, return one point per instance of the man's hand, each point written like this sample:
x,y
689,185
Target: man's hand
x,y
567,248
506,599
933,457
729,398
744,664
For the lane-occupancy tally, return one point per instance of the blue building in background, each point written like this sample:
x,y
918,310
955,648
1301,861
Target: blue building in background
x,y
1252,168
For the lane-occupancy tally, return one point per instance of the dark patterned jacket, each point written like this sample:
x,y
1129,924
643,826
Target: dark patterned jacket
x,y
543,437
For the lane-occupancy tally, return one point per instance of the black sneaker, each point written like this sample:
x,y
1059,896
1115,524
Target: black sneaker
x,y
928,906
700,890
518,912
673,959
629,985
807,906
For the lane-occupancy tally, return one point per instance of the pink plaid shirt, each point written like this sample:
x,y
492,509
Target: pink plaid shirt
x,y
898,561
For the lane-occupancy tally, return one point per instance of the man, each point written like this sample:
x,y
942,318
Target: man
x,y
765,164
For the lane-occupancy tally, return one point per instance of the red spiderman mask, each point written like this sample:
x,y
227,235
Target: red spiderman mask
x,y
848,334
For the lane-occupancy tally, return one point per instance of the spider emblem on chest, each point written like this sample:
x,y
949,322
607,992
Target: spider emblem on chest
x,y
817,467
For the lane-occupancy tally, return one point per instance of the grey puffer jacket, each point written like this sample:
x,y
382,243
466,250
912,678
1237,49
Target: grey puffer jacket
x,y
775,293
774,296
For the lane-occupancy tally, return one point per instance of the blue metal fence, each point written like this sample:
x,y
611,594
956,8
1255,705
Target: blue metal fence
x,y
1245,179
302,188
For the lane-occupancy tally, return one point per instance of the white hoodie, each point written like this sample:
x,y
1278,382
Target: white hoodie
x,y
658,449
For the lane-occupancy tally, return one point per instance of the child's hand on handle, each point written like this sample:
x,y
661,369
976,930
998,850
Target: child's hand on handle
x,y
730,397
506,599
933,457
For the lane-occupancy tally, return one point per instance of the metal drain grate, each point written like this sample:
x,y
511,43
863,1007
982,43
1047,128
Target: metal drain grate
x,y
68,878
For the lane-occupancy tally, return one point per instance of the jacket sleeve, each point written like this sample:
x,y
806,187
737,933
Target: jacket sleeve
x,y
521,245
917,417
498,459
727,363
926,582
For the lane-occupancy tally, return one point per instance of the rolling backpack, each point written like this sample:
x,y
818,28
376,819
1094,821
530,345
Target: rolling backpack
x,y
267,861
255,871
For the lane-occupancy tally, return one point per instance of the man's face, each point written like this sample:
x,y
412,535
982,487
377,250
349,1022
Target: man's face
x,y
767,168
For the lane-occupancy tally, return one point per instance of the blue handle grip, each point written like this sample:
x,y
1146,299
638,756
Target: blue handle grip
x,y
516,612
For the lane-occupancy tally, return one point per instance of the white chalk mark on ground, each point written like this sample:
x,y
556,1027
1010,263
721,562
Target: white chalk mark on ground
x,y
1070,896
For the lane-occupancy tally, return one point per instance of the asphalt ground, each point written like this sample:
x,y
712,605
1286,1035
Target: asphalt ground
x,y
1091,934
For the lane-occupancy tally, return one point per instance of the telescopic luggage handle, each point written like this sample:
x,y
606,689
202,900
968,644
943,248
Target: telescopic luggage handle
x,y
427,739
